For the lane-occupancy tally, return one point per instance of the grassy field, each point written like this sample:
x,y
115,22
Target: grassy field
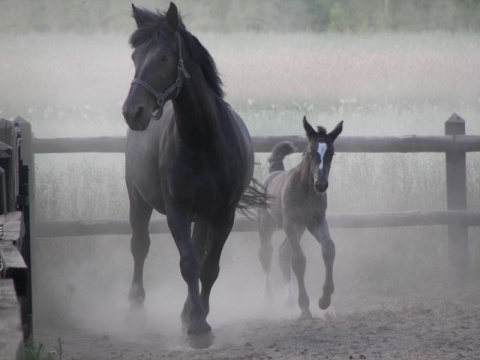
x,y
72,85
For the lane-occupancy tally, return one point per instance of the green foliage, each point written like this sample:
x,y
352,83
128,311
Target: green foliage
x,y
36,351
247,15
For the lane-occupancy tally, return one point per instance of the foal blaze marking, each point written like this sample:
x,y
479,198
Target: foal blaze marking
x,y
321,149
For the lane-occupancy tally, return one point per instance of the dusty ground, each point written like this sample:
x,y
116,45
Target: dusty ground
x,y
397,328
385,305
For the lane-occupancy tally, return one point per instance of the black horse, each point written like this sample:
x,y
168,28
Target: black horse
x,y
194,164
298,201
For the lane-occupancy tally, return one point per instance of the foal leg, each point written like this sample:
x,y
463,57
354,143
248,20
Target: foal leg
x,y
285,262
140,213
267,227
320,232
294,233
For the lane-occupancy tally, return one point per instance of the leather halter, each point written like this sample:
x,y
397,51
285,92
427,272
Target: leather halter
x,y
162,97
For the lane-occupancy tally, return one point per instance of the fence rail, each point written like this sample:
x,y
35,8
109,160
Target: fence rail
x,y
243,224
454,144
363,144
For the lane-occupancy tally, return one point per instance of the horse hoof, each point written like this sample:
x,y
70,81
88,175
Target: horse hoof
x,y
324,302
306,315
200,341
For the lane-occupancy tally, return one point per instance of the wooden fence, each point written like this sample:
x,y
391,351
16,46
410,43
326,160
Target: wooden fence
x,y
455,144
15,279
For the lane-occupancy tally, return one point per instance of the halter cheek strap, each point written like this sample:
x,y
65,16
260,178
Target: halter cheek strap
x,y
163,97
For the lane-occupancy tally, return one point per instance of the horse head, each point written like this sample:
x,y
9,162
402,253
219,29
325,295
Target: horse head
x,y
159,68
319,153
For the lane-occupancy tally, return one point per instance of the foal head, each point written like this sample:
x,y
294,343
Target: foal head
x,y
319,153
159,69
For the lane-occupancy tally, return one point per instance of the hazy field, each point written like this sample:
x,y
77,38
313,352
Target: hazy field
x,y
71,85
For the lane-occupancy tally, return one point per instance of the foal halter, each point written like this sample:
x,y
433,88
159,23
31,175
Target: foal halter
x,y
162,97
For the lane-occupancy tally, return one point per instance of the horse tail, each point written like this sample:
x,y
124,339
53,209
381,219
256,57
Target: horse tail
x,y
254,197
279,152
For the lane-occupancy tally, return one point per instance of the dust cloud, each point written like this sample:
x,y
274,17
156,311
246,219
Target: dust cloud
x,y
70,85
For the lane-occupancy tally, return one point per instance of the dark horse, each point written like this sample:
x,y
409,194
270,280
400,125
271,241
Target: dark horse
x,y
298,201
194,164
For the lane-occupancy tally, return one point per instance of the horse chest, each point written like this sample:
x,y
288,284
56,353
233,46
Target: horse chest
x,y
197,187
304,206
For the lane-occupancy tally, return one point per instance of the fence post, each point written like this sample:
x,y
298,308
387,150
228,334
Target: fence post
x,y
457,197
28,205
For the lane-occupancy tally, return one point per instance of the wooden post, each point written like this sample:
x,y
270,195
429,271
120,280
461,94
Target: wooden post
x,y
27,204
457,197
7,136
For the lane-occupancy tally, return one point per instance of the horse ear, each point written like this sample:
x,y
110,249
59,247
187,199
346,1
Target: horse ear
x,y
335,132
172,17
136,15
308,128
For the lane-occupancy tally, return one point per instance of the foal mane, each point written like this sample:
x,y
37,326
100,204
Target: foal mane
x,y
152,30
321,131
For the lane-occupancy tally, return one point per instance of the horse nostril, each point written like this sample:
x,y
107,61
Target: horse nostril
x,y
132,113
321,187
139,112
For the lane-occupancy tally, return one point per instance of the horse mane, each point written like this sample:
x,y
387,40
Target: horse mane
x,y
321,131
151,31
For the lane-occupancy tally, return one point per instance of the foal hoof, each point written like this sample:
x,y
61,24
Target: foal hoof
x,y
200,341
324,302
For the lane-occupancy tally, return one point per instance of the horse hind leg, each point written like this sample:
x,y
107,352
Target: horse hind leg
x,y
267,227
140,213
285,262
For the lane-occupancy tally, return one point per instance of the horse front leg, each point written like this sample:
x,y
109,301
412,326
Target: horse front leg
x,y
199,238
218,234
321,233
199,332
140,213
294,233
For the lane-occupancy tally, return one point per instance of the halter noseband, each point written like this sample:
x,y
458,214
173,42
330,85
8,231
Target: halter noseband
x,y
176,86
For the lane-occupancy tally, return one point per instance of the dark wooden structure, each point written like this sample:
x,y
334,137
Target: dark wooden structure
x,y
15,280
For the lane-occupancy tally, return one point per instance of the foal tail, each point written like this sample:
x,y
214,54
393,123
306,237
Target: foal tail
x,y
279,152
255,196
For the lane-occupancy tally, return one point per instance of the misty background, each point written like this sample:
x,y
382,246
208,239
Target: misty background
x,y
385,67
249,15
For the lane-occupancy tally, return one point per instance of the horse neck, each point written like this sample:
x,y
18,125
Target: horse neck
x,y
302,176
196,110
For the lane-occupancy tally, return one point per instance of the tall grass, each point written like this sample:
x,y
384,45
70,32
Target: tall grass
x,y
71,85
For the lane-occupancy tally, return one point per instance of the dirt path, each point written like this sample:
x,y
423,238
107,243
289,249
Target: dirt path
x,y
417,331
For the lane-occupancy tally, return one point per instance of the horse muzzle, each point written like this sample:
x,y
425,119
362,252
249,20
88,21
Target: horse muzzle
x,y
136,117
321,186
